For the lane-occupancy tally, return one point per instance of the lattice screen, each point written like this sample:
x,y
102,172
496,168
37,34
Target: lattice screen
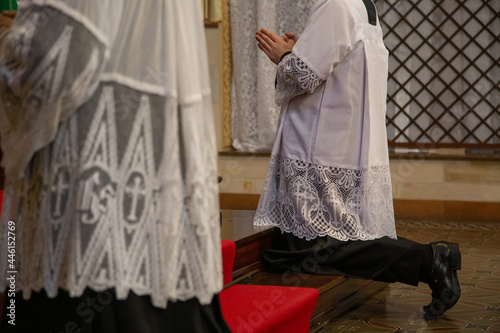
x,y
444,72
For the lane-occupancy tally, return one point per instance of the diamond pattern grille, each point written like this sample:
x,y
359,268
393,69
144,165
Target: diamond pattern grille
x,y
444,72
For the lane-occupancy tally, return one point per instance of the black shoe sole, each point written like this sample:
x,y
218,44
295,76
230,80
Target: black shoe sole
x,y
448,298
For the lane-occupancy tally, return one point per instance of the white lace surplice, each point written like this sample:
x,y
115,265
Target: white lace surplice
x,y
329,169
110,150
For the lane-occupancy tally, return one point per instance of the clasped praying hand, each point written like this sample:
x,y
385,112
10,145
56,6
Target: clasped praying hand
x,y
275,46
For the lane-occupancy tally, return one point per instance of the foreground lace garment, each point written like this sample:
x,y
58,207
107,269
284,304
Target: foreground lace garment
x,y
109,150
329,170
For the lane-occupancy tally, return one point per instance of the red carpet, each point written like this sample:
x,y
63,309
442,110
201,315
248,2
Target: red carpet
x,y
268,309
263,309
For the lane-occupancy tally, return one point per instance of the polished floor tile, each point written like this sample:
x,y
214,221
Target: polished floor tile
x,y
398,308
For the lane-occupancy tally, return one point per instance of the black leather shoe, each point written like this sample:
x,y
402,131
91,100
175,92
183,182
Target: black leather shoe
x,y
443,279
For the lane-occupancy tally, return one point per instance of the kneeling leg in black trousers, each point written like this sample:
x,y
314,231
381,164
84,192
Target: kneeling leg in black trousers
x,y
384,259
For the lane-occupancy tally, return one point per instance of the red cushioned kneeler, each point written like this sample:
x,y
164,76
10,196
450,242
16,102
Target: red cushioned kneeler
x,y
268,309
228,254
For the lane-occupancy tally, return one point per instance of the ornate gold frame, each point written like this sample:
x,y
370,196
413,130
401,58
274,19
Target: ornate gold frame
x,y
226,74
226,65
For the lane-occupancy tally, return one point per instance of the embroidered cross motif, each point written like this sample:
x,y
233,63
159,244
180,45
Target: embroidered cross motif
x,y
136,192
60,190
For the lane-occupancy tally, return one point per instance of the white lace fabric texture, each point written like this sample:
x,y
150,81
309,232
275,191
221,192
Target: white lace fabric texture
x,y
123,193
254,115
294,77
312,200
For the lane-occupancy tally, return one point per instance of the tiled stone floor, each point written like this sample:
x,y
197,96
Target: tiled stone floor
x,y
398,308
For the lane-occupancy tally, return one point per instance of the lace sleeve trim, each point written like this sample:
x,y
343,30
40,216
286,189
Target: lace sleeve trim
x,y
294,78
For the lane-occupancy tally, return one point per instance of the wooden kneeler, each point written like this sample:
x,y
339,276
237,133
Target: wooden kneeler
x,y
264,309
